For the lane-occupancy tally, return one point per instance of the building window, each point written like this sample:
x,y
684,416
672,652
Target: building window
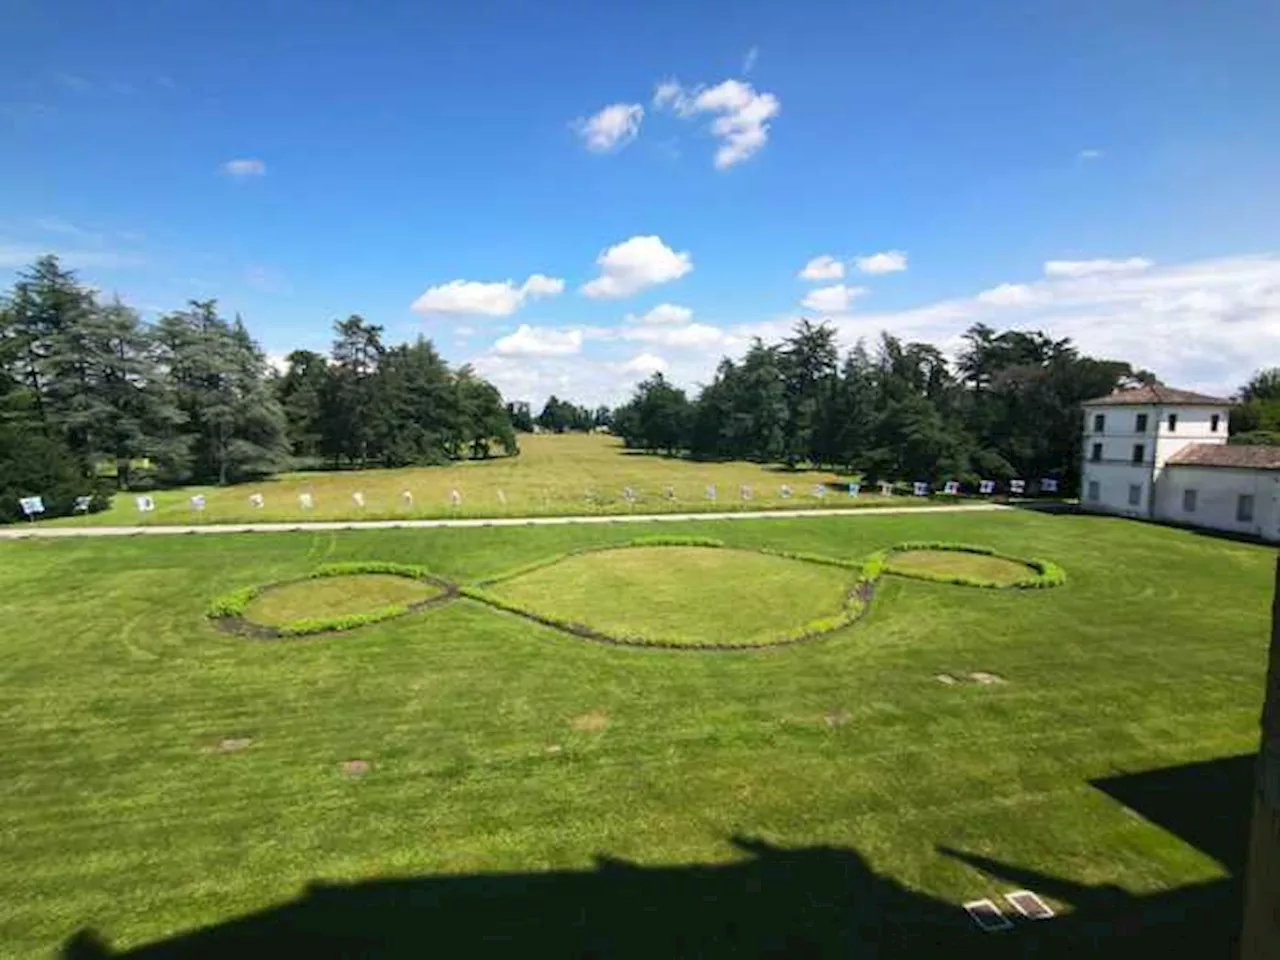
x,y
1094,492
1173,423
1135,494
1213,423
1139,452
1096,453
1188,501
1244,508
1099,421
1141,425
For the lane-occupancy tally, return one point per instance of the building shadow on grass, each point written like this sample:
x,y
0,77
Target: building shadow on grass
x,y
773,902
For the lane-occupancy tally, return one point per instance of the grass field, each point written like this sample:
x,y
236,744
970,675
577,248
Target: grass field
x,y
336,597
738,596
553,475
955,563
461,782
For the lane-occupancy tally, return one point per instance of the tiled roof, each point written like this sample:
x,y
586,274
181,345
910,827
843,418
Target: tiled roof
x,y
1156,393
1240,456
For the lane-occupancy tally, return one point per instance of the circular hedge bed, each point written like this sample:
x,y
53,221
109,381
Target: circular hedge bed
x,y
336,596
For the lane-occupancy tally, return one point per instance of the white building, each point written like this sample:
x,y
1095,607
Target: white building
x,y
1162,453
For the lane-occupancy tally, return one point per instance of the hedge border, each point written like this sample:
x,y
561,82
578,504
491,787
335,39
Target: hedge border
x,y
868,571
856,602
1043,573
228,610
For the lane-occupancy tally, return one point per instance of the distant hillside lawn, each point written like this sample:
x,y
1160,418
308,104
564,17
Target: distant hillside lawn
x,y
553,475
460,781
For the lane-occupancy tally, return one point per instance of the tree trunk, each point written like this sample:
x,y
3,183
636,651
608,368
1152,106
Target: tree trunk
x,y
1260,938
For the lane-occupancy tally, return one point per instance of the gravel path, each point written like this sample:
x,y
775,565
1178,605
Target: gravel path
x,y
23,532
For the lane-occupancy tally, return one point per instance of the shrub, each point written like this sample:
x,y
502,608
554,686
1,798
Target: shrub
x,y
672,541
301,628
353,567
235,603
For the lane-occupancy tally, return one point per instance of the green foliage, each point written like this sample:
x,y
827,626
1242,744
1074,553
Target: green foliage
x,y
674,541
348,568
191,398
235,603
1009,407
303,628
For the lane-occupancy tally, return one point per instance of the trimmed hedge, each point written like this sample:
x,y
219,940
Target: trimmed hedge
x,y
231,607
674,541
1045,573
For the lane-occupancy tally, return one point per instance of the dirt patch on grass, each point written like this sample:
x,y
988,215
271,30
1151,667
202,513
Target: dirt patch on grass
x,y
356,768
234,744
835,718
986,679
946,679
592,722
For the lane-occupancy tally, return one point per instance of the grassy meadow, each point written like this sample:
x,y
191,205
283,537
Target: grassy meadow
x,y
462,782
553,475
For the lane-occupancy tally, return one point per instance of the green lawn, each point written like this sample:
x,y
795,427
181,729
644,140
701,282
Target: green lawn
x,y
528,793
552,476
686,596
942,563
335,597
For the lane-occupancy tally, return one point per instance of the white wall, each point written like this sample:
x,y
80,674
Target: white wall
x,y
1217,490
1113,481
1195,425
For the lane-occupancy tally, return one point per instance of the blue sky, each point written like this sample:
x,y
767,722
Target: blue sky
x,y
1106,171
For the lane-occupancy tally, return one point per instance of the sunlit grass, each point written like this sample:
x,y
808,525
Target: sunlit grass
x,y
958,563
688,596
335,597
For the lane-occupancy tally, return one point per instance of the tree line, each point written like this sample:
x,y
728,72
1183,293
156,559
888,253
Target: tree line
x,y
93,399
1009,406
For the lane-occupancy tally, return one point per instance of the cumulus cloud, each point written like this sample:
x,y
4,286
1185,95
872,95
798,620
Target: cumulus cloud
x,y
890,261
530,341
244,168
833,299
645,364
1089,268
634,265
741,115
663,313
612,128
1008,295
822,268
479,299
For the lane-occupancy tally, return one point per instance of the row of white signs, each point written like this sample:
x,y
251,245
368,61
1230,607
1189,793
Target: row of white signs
x,y
306,501
31,506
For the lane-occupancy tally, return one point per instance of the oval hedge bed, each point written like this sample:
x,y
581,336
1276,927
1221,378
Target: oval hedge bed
x,y
334,597
576,591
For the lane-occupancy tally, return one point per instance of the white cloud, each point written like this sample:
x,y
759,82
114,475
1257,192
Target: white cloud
x,y
742,115
1089,268
530,341
1008,295
833,299
822,268
244,168
749,61
645,364
689,336
890,261
634,265
1089,154
479,299
663,313
612,128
